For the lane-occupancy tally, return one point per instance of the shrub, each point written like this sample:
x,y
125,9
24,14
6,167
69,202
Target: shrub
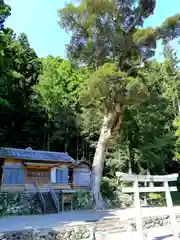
x,y
112,194
108,187
83,200
156,199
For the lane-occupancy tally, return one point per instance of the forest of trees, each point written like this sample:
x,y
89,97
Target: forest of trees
x,y
108,102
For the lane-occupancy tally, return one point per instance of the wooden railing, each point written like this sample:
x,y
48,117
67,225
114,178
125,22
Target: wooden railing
x,y
58,186
31,186
41,198
54,198
12,187
69,185
16,187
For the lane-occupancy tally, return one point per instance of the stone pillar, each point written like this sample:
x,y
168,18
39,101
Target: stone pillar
x,y
53,175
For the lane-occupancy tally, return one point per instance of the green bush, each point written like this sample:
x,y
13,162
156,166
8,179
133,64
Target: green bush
x,y
112,194
82,200
157,199
108,187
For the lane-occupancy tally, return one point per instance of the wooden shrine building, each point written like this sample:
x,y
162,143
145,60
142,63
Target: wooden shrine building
x,y
27,167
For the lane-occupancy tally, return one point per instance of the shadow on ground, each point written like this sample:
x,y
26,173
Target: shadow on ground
x,y
163,237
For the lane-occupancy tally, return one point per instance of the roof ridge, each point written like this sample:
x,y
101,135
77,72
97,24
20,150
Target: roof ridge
x,y
26,154
30,149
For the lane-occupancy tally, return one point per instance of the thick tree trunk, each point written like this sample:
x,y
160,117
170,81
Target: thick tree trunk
x,y
109,122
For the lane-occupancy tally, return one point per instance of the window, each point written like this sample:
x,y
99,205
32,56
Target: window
x,y
62,175
13,175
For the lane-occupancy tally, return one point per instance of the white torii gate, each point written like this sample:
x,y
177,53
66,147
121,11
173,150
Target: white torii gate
x,y
135,179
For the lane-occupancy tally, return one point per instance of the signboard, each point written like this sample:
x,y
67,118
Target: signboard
x,y
37,173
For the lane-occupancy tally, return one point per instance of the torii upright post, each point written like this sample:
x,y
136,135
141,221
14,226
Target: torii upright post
x,y
135,179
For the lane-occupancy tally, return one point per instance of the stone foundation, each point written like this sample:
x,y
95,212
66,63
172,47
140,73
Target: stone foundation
x,y
19,204
78,232
150,222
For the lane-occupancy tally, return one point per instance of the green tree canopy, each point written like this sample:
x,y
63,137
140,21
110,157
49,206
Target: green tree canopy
x,y
106,35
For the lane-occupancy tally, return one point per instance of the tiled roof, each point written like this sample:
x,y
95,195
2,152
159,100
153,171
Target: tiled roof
x,y
29,154
78,162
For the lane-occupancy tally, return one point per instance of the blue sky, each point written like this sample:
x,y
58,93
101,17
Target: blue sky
x,y
38,19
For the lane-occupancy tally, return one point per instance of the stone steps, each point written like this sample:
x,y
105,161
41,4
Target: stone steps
x,y
50,206
108,226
